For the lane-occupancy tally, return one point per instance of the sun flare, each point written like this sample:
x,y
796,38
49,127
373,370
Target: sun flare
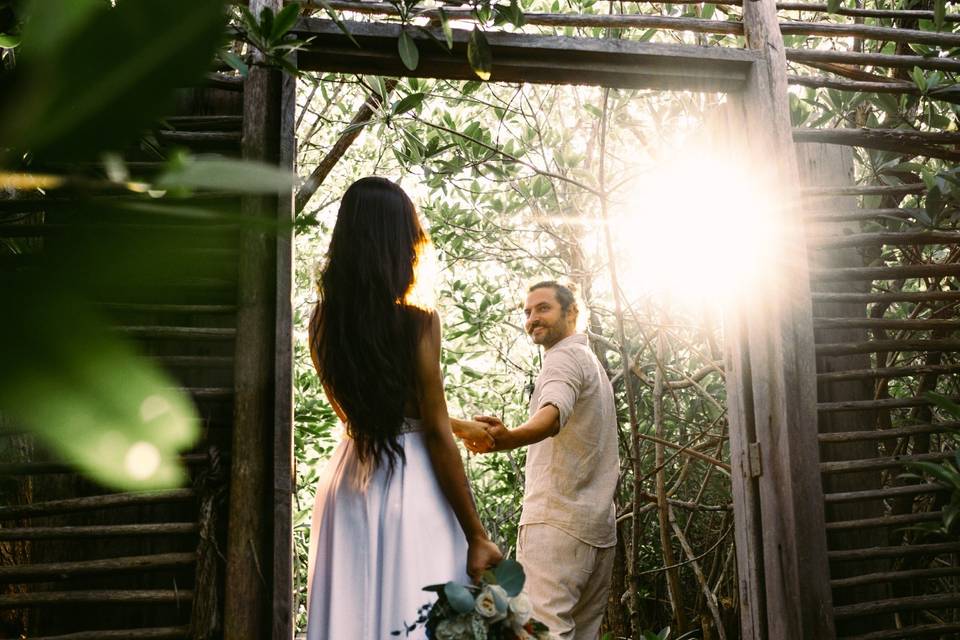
x,y
697,227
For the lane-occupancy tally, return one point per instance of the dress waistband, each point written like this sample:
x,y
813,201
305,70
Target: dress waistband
x,y
411,425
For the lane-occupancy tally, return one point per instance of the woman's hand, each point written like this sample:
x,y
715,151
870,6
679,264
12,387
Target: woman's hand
x,y
474,435
482,554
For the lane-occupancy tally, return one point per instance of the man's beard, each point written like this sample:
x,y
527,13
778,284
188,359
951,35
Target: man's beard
x,y
549,337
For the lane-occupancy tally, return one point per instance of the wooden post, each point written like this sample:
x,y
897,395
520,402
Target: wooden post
x,y
775,379
249,556
283,462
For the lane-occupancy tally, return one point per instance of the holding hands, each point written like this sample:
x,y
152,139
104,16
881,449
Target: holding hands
x,y
483,434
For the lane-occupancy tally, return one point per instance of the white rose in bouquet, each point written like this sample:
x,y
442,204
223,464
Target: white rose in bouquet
x,y
520,610
491,604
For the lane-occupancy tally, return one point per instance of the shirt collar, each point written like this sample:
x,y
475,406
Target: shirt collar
x,y
576,338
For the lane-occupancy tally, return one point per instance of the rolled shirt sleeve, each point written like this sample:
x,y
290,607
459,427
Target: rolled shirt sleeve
x,y
561,380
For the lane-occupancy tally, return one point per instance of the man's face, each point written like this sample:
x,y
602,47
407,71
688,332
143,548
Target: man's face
x,y
546,323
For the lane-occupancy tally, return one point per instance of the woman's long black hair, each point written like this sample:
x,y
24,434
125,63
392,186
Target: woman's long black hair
x,y
363,334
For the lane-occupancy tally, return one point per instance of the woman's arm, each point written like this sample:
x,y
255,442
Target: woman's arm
x,y
312,332
443,452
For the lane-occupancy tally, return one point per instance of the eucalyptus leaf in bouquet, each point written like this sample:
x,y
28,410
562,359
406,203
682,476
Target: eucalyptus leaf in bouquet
x,y
494,609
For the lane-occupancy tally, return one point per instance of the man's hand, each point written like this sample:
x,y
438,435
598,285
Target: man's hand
x,y
498,433
474,435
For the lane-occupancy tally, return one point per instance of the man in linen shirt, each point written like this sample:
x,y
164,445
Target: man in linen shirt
x,y
567,527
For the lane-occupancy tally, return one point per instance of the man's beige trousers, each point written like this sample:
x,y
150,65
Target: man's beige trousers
x,y
567,580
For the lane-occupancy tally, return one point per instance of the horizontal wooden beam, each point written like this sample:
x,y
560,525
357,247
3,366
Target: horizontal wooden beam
x,y
860,86
818,7
576,20
897,551
42,468
864,190
900,272
872,59
159,529
892,324
887,296
203,123
885,493
207,393
884,522
139,596
882,404
874,346
888,372
890,576
910,143
887,238
849,466
191,309
909,603
91,503
870,32
179,333
44,230
145,633
211,138
674,23
886,434
21,573
940,629
223,81
527,58
205,362
862,215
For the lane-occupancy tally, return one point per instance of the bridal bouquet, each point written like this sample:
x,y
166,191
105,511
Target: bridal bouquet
x,y
496,609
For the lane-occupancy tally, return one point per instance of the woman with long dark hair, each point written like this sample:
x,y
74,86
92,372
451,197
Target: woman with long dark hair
x,y
393,511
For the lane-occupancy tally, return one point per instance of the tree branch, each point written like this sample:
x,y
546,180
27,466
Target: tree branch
x,y
319,174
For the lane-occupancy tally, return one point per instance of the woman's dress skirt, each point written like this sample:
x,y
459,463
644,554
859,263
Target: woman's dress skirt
x,y
377,539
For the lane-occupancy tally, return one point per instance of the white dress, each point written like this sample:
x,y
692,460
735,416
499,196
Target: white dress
x,y
377,539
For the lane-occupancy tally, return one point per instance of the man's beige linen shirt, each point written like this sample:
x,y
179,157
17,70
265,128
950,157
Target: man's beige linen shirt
x,y
572,476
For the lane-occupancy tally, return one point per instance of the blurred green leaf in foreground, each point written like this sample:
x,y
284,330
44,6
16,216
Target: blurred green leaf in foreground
x,y
89,79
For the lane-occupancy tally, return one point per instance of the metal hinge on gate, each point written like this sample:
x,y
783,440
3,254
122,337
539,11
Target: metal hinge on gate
x,y
753,460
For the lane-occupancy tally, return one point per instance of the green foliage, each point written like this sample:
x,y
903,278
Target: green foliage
x,y
187,173
939,13
89,79
269,33
116,68
947,472
11,18
409,53
509,574
87,394
459,597
479,54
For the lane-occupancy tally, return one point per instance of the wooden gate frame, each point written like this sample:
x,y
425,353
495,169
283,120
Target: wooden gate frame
x,y
771,375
